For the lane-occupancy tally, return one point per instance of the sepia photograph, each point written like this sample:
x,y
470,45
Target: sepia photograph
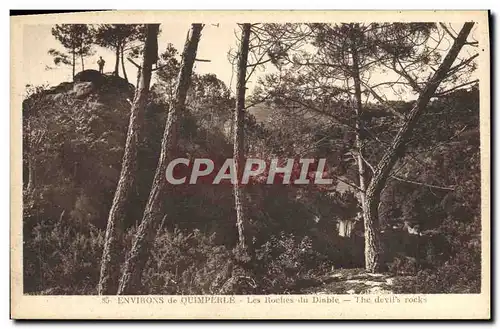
x,y
331,160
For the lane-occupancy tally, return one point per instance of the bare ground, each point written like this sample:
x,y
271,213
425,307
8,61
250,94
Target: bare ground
x,y
355,281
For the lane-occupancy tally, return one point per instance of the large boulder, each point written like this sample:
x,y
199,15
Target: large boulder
x,y
89,76
61,88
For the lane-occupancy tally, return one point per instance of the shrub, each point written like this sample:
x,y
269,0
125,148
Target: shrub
x,y
461,274
287,263
403,265
191,263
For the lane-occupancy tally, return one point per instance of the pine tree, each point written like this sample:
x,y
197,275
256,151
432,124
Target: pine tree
x,y
338,71
398,147
77,39
239,138
130,282
129,164
117,37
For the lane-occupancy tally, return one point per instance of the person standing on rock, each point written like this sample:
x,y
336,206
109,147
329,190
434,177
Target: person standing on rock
x,y
101,62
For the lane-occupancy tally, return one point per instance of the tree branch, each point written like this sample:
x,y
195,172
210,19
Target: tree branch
x,y
448,31
413,83
367,163
136,65
447,188
159,67
460,65
443,93
347,183
383,101
314,109
257,102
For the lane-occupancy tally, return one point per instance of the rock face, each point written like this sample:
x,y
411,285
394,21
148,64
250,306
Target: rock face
x,y
103,82
61,88
83,89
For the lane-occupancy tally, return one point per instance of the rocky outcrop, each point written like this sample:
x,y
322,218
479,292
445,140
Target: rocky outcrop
x,y
80,121
90,76
89,83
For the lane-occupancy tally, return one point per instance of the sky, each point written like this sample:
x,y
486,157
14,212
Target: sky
x,y
216,41
214,46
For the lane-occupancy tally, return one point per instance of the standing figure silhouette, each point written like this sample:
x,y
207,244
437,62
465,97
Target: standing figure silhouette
x,y
101,63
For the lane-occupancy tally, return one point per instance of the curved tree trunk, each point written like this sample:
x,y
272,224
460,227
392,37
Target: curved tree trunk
x,y
397,149
109,266
130,281
238,136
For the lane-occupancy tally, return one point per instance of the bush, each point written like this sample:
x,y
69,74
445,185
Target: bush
x,y
61,260
287,264
461,274
191,263
403,265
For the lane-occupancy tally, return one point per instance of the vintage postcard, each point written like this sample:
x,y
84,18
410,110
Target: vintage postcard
x,y
250,165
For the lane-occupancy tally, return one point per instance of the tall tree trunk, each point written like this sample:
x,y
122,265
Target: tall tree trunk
x,y
83,64
31,174
238,136
398,148
370,230
74,63
129,165
123,62
31,159
117,62
130,281
138,77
